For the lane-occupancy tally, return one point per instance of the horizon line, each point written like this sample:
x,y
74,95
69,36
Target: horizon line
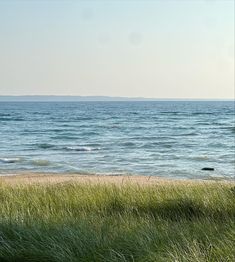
x,y
104,98
112,97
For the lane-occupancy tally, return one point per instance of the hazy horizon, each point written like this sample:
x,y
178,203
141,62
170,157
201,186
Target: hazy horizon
x,y
148,49
71,98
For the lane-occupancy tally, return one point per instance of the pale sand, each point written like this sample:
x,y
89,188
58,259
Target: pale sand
x,y
33,178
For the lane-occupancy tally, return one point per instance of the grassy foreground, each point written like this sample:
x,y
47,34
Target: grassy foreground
x,y
72,222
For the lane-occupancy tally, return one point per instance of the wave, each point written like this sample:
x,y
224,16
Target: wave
x,y
64,137
232,129
10,160
45,146
171,112
40,162
82,148
89,133
203,123
143,138
202,113
200,158
11,119
187,134
71,119
4,114
159,144
128,144
217,144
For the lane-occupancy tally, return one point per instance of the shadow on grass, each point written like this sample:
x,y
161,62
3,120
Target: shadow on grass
x,y
103,241
174,210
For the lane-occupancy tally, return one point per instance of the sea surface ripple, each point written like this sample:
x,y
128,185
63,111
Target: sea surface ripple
x,y
162,138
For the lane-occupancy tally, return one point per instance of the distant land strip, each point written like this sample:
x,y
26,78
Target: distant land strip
x,y
57,98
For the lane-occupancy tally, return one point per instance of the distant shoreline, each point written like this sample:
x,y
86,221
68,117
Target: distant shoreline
x,y
51,98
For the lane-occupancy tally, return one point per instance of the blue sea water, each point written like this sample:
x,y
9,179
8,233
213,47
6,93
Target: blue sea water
x,y
164,138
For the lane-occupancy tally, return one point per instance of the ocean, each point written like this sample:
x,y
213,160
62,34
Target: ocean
x,y
172,139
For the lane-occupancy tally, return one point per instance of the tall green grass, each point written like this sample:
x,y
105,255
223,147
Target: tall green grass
x,y
72,222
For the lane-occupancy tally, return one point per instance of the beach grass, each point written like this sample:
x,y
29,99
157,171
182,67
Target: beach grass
x,y
104,222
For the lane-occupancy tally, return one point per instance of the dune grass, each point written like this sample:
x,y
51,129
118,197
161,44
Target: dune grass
x,y
72,222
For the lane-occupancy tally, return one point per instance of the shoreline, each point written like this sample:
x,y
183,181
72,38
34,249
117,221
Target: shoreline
x,y
55,178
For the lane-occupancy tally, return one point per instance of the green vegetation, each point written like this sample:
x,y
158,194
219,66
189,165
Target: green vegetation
x,y
72,222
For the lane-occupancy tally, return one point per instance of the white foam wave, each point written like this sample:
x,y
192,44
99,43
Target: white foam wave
x,y
82,148
10,160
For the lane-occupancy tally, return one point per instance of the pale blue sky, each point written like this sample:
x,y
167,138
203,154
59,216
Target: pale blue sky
x,y
160,49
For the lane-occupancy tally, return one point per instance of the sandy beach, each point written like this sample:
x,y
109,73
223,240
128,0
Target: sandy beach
x,y
50,178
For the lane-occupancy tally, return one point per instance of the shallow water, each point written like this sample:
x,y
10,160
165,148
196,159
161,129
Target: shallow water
x,y
169,139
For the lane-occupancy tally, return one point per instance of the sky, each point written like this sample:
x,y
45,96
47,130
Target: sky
x,y
133,48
